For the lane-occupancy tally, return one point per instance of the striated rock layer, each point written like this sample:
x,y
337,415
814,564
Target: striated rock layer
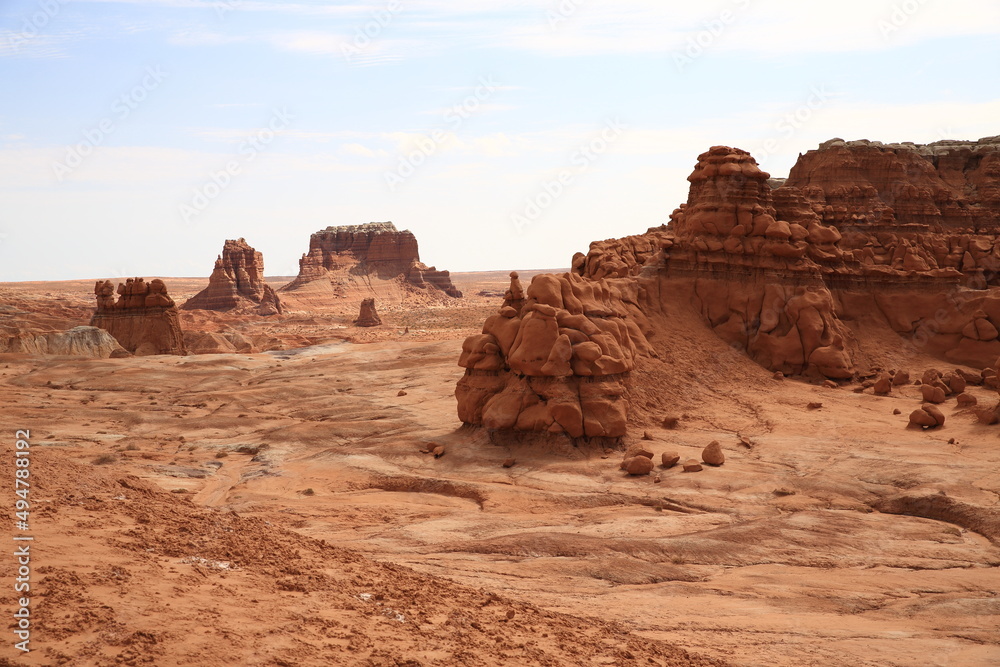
x,y
144,320
864,248
237,283
359,257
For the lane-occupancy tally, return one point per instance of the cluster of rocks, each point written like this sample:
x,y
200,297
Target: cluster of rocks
x,y
638,459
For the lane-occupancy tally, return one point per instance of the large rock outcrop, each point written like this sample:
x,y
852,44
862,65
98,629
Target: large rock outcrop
x,y
559,362
144,319
364,259
237,283
864,248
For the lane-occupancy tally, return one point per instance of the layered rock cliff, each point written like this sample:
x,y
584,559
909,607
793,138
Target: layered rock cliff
x,y
144,319
237,283
361,258
865,247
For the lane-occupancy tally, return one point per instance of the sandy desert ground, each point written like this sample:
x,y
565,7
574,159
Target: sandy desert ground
x,y
280,509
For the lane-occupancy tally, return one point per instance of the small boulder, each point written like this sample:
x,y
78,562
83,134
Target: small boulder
x,y
401,392
646,435
638,450
927,416
830,384
713,455
509,463
669,459
883,385
900,378
956,383
438,451
670,422
638,465
966,400
897,411
692,465
932,394
814,406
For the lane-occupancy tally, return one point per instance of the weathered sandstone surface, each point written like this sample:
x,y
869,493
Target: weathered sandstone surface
x,y
237,283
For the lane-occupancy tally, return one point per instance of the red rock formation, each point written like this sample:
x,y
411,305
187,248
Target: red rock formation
x,y
144,319
237,283
373,251
559,363
862,239
368,317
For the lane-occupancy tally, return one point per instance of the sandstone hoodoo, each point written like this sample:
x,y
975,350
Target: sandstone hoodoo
x,y
368,317
237,283
144,319
362,259
865,248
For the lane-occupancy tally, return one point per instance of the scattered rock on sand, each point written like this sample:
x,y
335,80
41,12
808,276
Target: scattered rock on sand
x,y
646,435
966,400
814,406
438,451
509,463
897,411
712,455
692,465
638,465
927,416
670,459
883,385
638,450
900,378
830,384
402,392
932,394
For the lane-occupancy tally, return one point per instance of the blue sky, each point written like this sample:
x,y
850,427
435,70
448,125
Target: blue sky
x,y
137,135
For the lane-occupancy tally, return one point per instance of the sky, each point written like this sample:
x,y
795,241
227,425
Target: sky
x,y
136,136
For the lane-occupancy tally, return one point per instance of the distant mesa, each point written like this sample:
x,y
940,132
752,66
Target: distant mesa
x,y
363,259
237,283
866,249
144,319
368,317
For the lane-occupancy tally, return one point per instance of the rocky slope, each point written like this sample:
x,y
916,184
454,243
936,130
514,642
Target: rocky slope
x,y
237,283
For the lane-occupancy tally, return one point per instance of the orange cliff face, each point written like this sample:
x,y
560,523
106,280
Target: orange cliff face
x,y
818,277
237,283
